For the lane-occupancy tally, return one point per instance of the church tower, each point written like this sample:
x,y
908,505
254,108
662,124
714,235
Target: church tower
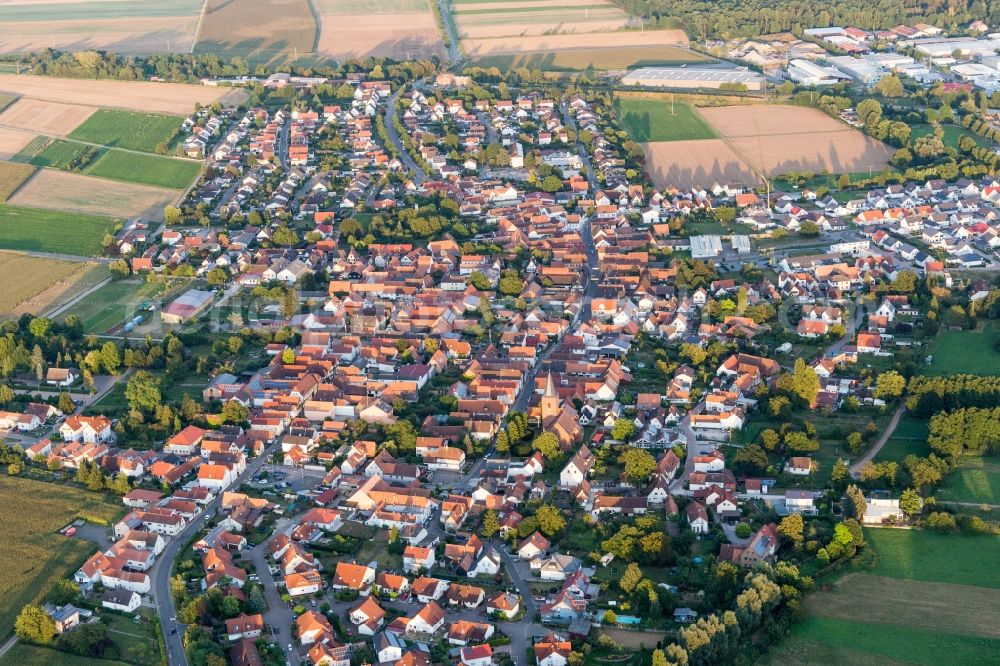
x,y
550,400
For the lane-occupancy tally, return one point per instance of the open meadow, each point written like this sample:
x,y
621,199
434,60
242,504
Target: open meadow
x,y
40,230
12,176
776,139
931,599
398,29
976,481
34,553
76,193
661,120
153,170
966,351
23,277
44,117
122,26
127,129
144,96
109,306
262,31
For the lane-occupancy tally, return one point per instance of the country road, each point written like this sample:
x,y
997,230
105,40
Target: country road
x,y
868,457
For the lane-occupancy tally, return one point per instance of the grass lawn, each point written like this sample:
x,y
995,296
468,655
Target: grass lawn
x,y
796,650
127,129
909,437
977,480
137,641
966,351
23,654
110,305
716,227
12,175
661,120
145,169
945,558
36,555
952,134
40,230
913,645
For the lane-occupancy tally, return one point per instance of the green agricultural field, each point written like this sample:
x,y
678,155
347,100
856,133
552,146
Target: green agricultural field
x,y
977,480
39,230
47,152
110,305
952,134
127,129
971,352
145,169
944,558
661,120
905,644
34,553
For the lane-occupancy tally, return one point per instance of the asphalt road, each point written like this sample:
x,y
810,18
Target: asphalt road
x,y
164,566
416,172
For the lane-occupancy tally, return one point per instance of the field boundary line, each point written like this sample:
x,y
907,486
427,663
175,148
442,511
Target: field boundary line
x,y
197,28
736,151
76,299
23,183
318,20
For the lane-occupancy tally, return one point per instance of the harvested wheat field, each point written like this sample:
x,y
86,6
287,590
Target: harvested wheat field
x,y
263,31
651,38
400,29
23,277
777,139
12,141
75,193
122,26
45,117
12,176
136,95
699,162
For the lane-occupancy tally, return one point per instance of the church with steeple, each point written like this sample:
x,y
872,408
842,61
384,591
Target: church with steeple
x,y
558,416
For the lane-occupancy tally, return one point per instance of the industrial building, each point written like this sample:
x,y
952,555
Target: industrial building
x,y
691,78
943,47
706,247
863,71
809,73
187,306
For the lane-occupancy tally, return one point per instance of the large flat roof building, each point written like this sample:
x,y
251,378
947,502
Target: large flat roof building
x,y
706,247
690,77
187,306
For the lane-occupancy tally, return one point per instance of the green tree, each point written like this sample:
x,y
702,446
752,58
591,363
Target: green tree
x,y
889,86
910,502
143,392
889,384
110,358
284,236
609,617
630,579
34,625
548,444
491,524
66,404
792,527
639,464
233,411
511,283
623,429
550,520
479,280
172,215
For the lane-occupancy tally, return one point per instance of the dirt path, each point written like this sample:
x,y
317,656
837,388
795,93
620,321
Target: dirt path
x,y
868,457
